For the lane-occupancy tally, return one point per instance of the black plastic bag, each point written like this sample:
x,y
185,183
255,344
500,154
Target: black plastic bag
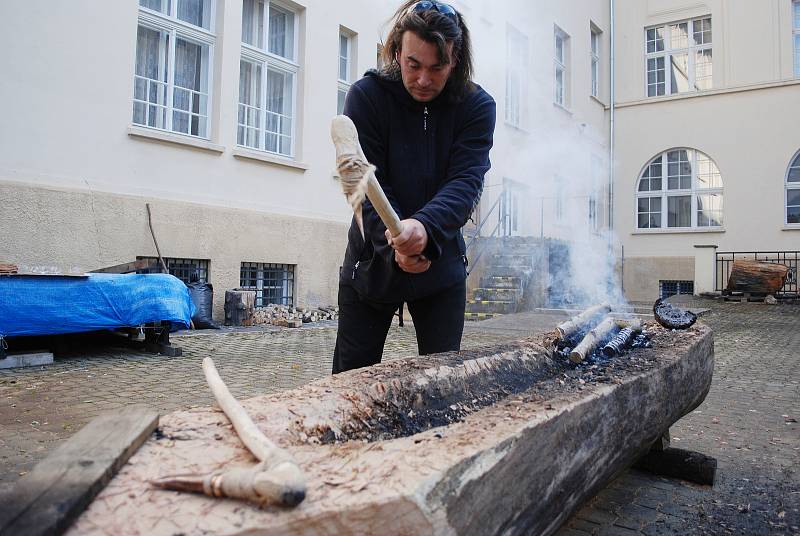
x,y
203,297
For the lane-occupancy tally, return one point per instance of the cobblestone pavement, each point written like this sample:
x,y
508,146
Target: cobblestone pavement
x,y
748,421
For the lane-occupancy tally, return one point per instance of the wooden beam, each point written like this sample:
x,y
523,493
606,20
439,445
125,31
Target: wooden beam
x,y
49,498
127,267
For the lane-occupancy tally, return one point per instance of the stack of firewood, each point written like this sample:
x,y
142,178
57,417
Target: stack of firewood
x,y
8,268
288,316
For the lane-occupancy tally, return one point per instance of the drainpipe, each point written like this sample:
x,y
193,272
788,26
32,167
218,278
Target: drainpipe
x,y
612,100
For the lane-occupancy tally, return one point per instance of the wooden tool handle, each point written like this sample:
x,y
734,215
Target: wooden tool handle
x,y
382,206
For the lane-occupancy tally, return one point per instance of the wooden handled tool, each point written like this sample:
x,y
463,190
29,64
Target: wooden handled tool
x,y
357,176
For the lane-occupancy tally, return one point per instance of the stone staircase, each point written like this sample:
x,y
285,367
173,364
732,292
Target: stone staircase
x,y
502,286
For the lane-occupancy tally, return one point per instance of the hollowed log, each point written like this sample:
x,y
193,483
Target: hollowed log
x,y
498,440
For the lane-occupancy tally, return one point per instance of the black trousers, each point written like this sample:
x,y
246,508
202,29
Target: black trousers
x,y
363,325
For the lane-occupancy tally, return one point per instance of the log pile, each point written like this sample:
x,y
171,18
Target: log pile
x,y
8,268
499,440
294,317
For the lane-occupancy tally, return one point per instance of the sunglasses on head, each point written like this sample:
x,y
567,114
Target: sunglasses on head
x,y
444,9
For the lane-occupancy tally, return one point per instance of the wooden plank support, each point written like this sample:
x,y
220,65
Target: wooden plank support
x,y
49,498
128,267
678,463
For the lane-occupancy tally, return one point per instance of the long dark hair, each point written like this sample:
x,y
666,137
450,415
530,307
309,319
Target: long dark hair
x,y
437,29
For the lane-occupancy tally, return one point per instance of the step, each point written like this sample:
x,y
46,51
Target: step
x,y
475,317
505,259
497,293
508,271
500,281
491,306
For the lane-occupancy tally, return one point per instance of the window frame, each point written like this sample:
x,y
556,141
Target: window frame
x,y
175,29
796,36
270,61
667,52
561,65
288,275
594,56
794,163
343,84
665,193
517,45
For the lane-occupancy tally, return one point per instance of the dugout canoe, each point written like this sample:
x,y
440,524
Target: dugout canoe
x,y
502,440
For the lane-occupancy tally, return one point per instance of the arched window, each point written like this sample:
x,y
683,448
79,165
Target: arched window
x,y
793,192
679,189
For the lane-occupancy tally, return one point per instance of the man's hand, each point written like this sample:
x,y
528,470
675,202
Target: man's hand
x,y
413,264
411,241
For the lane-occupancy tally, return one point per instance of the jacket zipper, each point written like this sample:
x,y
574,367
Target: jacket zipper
x,y
355,267
425,119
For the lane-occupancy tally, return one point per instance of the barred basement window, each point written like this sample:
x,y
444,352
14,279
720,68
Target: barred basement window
x,y
183,268
671,288
273,283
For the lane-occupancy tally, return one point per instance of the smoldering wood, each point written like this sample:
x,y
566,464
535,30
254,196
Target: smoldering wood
x,y
678,463
357,175
49,498
757,277
524,448
580,321
592,339
276,480
622,340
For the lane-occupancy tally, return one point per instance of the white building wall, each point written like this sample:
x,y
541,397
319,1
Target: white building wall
x,y
747,124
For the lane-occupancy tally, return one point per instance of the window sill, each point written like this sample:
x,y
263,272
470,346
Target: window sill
x,y
678,231
175,139
260,156
598,101
791,228
562,108
518,128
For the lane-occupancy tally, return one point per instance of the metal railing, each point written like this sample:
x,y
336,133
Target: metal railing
x,y
474,242
724,262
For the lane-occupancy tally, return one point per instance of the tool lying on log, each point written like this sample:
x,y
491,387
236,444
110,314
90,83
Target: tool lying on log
x,y
357,176
275,480
672,317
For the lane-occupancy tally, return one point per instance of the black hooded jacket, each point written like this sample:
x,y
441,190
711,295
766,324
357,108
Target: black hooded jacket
x,y
431,159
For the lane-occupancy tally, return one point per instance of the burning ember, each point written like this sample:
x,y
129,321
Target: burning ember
x,y
594,337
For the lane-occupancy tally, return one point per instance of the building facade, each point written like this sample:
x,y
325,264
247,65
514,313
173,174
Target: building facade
x,y
707,131
216,114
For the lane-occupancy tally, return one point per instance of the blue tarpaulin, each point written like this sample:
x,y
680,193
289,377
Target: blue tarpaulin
x,y
41,305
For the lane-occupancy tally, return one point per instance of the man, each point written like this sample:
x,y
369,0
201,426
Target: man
x,y
428,129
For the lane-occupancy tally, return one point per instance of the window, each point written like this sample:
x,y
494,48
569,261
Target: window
x,y
183,269
516,75
273,283
671,288
797,38
680,189
595,61
678,57
346,49
793,192
559,199
561,67
268,73
172,78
